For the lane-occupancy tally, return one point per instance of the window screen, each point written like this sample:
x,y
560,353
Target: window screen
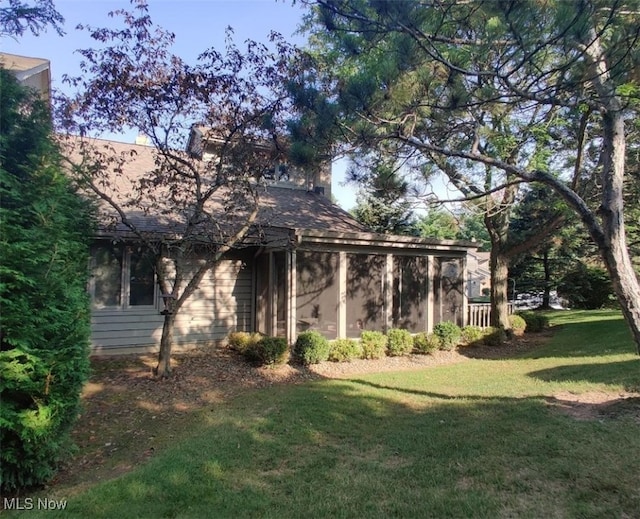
x,y
107,275
365,293
317,292
141,279
409,292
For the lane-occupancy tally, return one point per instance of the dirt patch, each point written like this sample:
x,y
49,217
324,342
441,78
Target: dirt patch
x,y
597,405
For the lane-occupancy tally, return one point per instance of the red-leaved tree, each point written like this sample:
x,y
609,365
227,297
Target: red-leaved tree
x,y
200,204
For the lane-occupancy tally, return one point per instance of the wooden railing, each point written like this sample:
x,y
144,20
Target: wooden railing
x,y
479,314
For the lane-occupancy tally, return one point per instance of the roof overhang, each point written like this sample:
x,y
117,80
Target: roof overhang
x,y
380,241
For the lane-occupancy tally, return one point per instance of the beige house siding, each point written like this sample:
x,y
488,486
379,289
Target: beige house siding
x,y
213,311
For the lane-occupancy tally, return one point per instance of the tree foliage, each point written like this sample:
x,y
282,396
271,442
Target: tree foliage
x,y
586,287
382,202
207,187
44,333
494,94
18,17
461,224
539,270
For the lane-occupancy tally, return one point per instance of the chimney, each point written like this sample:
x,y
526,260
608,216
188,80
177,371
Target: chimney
x,y
142,140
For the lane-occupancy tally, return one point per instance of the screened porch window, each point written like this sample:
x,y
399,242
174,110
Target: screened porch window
x,y
317,293
409,292
122,276
365,293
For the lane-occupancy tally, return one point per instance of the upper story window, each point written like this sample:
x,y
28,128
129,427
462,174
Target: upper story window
x,y
278,173
122,277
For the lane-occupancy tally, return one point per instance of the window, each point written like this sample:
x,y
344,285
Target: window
x,y
317,292
365,293
141,279
409,292
122,276
107,276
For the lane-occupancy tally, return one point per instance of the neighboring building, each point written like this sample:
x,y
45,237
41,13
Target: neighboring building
x,y
479,274
31,72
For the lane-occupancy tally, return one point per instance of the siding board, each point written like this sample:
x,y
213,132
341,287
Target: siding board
x,y
221,304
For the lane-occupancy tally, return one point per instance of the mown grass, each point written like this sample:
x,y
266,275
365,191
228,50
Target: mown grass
x,y
475,439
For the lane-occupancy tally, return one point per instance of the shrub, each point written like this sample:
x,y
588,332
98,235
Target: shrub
x,y
345,350
536,321
449,334
587,288
518,325
374,344
426,343
494,336
268,350
240,341
472,335
399,342
44,338
312,347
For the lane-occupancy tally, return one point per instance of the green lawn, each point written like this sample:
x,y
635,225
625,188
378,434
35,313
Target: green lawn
x,y
475,439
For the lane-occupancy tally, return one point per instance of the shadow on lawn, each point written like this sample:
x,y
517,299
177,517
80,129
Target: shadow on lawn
x,y
348,449
625,373
128,416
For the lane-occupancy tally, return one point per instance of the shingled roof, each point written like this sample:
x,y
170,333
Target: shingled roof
x,y
280,206
285,212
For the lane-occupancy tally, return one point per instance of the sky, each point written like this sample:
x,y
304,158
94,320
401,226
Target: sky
x,y
197,25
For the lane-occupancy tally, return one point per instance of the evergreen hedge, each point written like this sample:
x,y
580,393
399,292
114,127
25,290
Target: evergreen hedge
x,y
44,328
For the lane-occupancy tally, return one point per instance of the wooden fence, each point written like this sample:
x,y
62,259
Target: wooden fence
x,y
479,314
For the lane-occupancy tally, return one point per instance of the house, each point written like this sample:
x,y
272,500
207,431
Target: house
x,y
307,265
479,274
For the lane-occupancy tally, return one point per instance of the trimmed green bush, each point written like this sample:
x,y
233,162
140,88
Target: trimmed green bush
x,y
312,347
426,343
44,252
518,325
268,350
240,341
472,335
536,321
374,344
449,334
399,342
345,350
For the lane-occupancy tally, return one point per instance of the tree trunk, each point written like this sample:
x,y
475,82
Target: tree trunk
x,y
626,287
611,237
609,233
499,289
614,250
546,294
497,222
163,369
